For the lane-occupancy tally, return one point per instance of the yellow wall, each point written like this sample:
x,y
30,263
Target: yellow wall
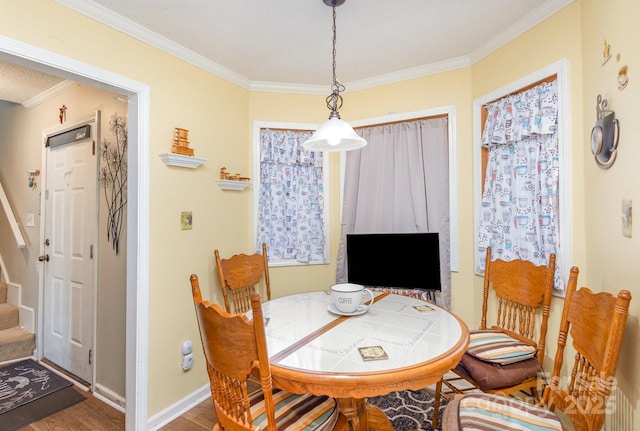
x,y
219,116
611,259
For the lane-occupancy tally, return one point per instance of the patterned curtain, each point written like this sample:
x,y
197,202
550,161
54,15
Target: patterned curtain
x,y
291,202
519,213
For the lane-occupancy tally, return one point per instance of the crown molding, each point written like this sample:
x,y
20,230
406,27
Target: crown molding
x,y
51,92
519,27
123,24
130,28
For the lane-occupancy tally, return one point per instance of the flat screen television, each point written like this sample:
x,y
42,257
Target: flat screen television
x,y
398,260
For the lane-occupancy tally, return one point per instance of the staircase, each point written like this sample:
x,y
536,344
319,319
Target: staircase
x,y
14,342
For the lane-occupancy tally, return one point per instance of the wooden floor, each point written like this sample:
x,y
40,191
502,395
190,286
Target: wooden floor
x,y
199,418
93,414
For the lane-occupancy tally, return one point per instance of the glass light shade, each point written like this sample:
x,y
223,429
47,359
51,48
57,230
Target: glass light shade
x,y
334,135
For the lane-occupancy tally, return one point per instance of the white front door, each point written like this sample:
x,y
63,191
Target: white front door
x,y
69,274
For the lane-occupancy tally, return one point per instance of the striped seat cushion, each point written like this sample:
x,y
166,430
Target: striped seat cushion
x,y
296,412
480,412
498,347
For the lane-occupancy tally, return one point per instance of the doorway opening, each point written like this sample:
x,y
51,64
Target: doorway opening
x,y
137,287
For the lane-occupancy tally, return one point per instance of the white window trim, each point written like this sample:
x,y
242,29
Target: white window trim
x,y
450,111
560,69
257,125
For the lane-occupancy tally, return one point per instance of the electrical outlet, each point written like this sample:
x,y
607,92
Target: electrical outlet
x,y
187,362
30,220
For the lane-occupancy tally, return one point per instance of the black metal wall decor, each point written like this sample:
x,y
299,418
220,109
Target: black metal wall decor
x,y
605,135
113,178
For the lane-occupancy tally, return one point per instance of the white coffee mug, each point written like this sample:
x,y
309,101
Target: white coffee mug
x,y
347,297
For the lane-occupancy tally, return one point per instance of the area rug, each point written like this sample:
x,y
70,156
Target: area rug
x,y
408,410
30,392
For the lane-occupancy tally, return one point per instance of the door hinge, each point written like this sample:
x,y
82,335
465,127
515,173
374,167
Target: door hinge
x,y
93,148
91,251
90,358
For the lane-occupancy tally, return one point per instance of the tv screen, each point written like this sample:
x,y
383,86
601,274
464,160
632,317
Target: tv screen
x,y
400,260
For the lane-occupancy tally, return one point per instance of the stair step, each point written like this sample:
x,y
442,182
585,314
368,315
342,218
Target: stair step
x,y
9,316
16,343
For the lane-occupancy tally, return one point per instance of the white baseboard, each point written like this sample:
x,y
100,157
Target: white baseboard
x,y
178,409
109,397
26,314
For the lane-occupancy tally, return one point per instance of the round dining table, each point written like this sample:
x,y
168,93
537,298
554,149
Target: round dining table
x,y
396,343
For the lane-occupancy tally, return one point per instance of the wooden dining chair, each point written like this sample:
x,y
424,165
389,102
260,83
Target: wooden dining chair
x,y
594,324
505,356
235,348
240,275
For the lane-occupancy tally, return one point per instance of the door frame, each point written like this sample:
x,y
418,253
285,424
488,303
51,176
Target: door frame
x,y
94,119
137,307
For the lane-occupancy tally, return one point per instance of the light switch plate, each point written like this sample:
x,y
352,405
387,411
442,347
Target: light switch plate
x,y
186,220
30,220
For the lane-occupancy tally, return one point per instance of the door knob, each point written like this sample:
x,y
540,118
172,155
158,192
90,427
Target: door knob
x,y
44,258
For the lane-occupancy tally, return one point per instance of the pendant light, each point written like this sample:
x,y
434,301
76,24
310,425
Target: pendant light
x,y
334,134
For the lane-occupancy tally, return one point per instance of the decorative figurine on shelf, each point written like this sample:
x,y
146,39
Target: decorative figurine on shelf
x,y
181,143
224,175
63,114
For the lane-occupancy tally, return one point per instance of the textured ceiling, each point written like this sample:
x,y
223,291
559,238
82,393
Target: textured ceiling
x,y
19,84
287,43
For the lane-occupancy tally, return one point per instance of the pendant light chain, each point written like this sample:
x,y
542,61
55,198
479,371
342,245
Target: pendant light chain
x,y
334,134
334,100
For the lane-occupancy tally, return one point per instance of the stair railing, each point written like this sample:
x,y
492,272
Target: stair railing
x,y
15,228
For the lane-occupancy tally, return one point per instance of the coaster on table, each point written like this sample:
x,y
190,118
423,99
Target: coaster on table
x,y
372,353
424,308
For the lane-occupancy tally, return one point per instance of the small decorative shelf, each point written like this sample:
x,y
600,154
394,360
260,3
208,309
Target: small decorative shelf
x,y
233,185
172,159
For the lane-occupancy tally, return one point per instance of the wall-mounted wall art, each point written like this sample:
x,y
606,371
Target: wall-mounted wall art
x,y
605,135
113,178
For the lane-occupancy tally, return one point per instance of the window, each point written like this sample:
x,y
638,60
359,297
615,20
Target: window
x,y
290,196
522,198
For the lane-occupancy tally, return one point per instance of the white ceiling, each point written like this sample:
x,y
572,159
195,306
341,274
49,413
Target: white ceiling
x,y
285,45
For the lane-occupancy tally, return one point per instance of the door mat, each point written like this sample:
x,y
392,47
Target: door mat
x,y
30,392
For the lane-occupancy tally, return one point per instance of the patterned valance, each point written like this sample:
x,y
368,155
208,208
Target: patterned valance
x,y
519,116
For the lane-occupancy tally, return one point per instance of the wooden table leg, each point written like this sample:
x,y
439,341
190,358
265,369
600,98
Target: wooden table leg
x,y
363,416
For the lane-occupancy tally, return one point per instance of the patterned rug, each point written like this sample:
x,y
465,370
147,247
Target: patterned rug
x,y
29,392
408,410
